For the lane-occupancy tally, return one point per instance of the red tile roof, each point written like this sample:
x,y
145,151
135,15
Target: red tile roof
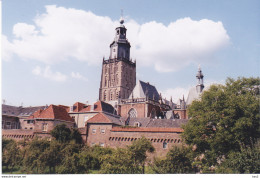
x,y
104,118
98,106
53,112
35,114
78,106
146,129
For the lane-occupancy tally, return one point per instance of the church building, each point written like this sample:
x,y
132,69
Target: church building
x,y
119,71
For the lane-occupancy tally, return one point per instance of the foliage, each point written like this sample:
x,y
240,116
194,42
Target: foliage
x,y
225,117
246,161
61,133
11,154
138,151
178,160
51,157
98,154
33,151
119,162
76,136
130,160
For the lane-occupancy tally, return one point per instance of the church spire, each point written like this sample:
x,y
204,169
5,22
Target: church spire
x,y
199,77
120,47
122,18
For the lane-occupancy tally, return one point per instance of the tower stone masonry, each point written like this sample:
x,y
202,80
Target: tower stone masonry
x,y
118,76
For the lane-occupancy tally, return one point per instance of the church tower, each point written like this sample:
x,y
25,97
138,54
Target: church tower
x,y
118,76
200,85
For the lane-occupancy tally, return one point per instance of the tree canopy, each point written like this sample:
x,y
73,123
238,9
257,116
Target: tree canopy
x,y
226,117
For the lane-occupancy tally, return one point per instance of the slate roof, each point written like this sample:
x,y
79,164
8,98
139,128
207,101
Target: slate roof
x,y
105,118
173,123
52,112
147,122
19,111
143,89
193,95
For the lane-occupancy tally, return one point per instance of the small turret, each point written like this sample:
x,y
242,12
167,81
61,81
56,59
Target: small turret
x,y
199,77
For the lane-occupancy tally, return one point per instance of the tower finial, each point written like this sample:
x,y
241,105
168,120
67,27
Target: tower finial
x,y
122,18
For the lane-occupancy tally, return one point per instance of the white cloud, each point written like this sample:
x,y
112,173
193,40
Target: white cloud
x,y
48,74
66,33
78,76
175,93
178,92
7,49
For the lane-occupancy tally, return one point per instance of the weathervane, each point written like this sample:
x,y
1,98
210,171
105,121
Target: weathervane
x,y
121,19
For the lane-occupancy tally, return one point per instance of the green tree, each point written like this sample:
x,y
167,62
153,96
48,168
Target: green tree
x,y
33,151
76,136
11,154
71,165
178,160
225,117
98,153
61,133
138,151
51,157
119,162
246,161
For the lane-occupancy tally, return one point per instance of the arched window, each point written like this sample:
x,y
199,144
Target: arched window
x,y
132,113
111,95
105,81
137,124
117,95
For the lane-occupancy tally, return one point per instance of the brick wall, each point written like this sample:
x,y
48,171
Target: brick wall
x,y
139,107
162,141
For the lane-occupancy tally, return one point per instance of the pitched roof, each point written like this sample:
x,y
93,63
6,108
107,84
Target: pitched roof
x,y
145,129
147,122
19,111
78,106
53,112
98,106
105,118
193,95
171,123
143,89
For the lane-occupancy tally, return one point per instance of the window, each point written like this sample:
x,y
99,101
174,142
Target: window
x,y
31,128
105,95
8,125
30,121
13,125
44,127
111,96
132,113
94,131
137,124
164,145
102,131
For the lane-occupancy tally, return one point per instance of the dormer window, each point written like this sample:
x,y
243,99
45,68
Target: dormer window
x,y
137,124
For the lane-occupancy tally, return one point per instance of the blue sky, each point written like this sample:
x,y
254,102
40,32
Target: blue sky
x,y
52,50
